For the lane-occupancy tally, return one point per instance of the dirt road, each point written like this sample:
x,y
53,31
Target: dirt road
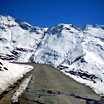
x,y
50,86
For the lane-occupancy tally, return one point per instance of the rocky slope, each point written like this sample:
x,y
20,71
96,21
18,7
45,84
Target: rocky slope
x,y
77,53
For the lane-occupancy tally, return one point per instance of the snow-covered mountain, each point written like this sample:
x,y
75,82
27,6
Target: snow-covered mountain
x,y
61,42
77,53
18,40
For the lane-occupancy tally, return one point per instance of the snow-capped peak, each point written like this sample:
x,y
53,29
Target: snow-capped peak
x,y
18,40
58,42
61,27
7,21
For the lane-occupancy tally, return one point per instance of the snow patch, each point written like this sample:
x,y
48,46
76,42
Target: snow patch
x,y
13,73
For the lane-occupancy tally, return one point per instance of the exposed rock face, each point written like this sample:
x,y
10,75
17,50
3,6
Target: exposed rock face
x,y
77,53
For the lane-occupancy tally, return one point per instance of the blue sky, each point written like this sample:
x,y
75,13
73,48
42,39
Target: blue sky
x,y
51,12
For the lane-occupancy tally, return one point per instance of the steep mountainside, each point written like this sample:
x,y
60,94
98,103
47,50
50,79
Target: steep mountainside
x,y
18,40
77,53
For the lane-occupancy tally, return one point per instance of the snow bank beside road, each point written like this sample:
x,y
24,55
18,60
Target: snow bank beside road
x,y
10,73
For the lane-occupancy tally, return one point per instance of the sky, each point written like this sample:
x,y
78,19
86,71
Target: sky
x,y
51,12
